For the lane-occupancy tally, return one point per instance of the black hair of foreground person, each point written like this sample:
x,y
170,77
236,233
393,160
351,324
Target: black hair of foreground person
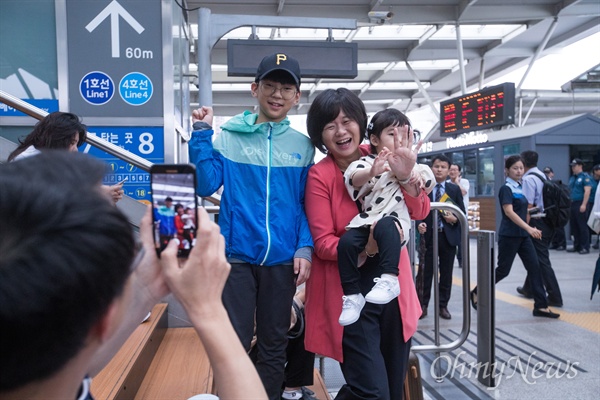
x,y
57,130
70,294
61,266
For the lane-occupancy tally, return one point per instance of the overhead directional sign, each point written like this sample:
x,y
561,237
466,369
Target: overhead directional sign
x,y
315,58
115,46
114,10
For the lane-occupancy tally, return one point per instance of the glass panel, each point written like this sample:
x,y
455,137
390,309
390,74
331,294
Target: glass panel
x,y
28,67
470,170
511,149
589,154
459,159
485,184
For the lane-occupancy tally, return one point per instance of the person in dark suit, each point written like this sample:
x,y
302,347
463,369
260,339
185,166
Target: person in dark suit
x,y
448,237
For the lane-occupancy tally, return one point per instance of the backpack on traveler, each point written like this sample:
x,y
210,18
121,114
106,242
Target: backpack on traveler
x,y
557,202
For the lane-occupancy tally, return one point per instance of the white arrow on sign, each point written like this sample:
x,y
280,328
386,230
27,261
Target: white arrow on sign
x,y
114,9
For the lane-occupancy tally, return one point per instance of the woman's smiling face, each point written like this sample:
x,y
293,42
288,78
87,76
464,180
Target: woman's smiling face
x,y
341,137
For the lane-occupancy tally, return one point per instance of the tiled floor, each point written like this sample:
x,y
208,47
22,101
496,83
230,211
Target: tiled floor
x,y
536,358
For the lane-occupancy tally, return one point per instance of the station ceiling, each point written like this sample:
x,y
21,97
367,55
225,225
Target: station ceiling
x,y
410,60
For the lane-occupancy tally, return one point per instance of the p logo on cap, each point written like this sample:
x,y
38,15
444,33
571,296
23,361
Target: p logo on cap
x,y
280,58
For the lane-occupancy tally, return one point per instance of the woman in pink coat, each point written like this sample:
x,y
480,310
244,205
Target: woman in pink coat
x,y
373,351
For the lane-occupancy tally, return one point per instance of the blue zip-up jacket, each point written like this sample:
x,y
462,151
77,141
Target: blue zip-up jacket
x,y
263,169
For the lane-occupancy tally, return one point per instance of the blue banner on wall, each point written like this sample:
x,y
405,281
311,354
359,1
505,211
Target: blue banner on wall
x,y
146,142
48,105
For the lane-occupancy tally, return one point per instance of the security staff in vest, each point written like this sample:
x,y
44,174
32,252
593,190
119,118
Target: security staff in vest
x,y
532,190
581,185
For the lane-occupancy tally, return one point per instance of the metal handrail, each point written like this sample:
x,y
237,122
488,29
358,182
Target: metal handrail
x,y
94,140
466,322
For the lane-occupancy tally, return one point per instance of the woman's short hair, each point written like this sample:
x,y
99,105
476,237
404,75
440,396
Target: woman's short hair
x,y
327,106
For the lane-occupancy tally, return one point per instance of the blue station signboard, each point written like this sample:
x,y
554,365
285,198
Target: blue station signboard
x,y
146,142
115,58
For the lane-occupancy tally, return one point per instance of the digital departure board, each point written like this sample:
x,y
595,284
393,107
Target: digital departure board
x,y
493,106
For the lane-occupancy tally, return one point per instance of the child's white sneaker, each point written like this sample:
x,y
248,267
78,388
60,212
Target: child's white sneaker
x,y
385,290
351,308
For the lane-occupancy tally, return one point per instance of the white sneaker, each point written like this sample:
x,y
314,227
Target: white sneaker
x,y
385,290
351,308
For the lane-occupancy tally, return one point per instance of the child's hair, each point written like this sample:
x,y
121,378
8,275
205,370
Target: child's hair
x,y
383,119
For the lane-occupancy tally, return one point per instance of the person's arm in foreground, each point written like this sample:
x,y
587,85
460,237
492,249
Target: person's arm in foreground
x,y
148,287
198,284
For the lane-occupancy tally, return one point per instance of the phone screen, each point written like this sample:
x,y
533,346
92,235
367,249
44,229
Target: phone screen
x,y
173,190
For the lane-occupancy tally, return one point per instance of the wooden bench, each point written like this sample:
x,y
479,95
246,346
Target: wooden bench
x,y
180,368
160,363
122,376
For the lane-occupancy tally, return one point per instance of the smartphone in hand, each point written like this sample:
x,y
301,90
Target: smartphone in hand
x,y
175,204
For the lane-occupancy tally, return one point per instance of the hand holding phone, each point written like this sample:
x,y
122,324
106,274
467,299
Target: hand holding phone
x,y
173,191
